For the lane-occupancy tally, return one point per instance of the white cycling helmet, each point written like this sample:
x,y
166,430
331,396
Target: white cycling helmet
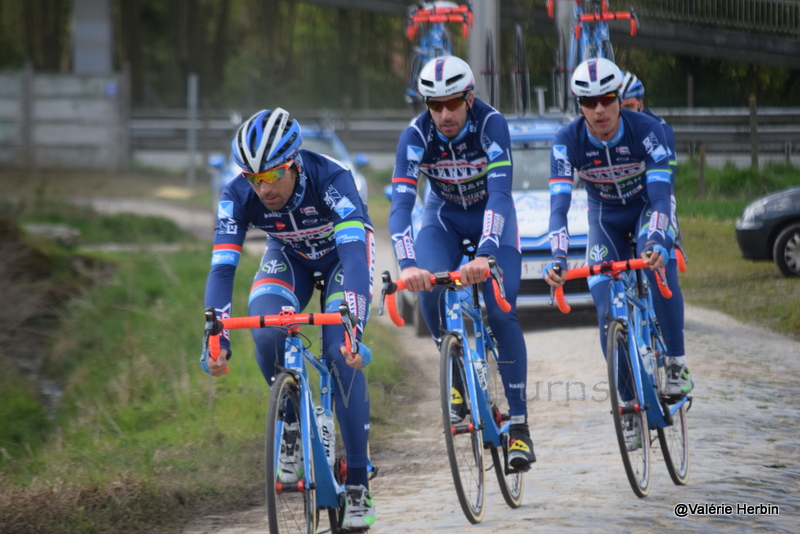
x,y
596,77
445,76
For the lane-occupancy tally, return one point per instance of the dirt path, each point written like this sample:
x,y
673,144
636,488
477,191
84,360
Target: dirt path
x,y
743,429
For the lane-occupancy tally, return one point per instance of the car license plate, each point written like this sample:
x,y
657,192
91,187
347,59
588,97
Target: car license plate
x,y
532,269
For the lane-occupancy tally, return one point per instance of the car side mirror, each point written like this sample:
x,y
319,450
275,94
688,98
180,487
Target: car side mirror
x,y
361,159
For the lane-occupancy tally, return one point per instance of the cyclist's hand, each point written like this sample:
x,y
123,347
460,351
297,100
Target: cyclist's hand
x,y
416,279
215,367
553,279
475,271
656,257
358,360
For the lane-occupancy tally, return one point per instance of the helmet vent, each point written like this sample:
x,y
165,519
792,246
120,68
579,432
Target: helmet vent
x,y
454,79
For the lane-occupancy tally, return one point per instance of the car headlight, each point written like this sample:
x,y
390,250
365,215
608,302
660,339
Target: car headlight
x,y
753,211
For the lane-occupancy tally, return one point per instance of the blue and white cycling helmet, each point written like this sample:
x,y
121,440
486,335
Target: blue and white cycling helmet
x,y
266,140
596,77
445,76
632,87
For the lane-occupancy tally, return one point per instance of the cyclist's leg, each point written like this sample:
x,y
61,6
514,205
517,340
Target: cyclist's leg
x,y
279,282
351,397
438,248
607,241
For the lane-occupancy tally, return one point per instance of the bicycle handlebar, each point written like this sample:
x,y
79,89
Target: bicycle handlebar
x,y
440,15
286,318
609,268
390,289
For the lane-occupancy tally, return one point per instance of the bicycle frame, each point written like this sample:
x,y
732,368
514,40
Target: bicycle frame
x,y
456,309
296,356
591,32
631,302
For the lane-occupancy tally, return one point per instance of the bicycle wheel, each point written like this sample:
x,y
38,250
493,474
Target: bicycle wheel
x,y
674,439
464,440
621,385
522,86
291,507
490,71
511,485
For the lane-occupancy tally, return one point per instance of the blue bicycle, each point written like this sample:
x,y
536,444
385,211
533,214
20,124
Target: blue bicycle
x,y
298,418
469,374
635,357
434,42
590,38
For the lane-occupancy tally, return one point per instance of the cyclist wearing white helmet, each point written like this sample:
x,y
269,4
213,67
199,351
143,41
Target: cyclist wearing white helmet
x,y
310,208
623,158
462,146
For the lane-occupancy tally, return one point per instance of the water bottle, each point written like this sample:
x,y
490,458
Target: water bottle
x,y
327,433
648,358
480,368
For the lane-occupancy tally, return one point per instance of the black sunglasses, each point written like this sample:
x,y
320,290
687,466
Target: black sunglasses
x,y
452,104
592,101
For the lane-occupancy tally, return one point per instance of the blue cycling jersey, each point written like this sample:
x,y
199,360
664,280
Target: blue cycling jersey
x,y
631,168
470,172
325,217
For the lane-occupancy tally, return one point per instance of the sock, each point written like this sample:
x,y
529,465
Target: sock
x,y
357,476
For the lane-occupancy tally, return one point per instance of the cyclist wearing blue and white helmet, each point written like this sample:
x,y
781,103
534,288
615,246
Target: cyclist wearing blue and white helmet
x,y
462,146
309,207
623,158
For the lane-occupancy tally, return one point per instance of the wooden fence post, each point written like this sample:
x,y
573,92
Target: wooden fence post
x,y
753,134
701,172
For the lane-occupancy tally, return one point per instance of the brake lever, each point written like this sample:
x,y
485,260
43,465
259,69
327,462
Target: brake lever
x,y
349,320
497,274
557,271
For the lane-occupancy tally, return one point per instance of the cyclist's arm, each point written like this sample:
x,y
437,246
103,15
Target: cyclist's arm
x,y
658,179
353,233
561,182
229,236
404,194
499,207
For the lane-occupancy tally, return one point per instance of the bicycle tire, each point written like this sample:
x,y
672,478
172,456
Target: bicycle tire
x,y
673,439
511,485
287,511
637,462
465,446
522,86
490,71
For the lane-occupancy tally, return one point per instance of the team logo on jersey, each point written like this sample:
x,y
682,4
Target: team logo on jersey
x,y
274,266
597,162
493,151
462,147
225,209
414,153
654,148
332,196
623,150
279,225
309,221
309,210
344,207
598,252
560,152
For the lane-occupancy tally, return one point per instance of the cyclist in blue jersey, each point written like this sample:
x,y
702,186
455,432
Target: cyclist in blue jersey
x,y
462,146
623,158
309,207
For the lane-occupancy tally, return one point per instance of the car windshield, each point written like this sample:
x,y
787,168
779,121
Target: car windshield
x,y
324,145
532,165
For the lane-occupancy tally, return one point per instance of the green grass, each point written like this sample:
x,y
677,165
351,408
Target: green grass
x,y
143,438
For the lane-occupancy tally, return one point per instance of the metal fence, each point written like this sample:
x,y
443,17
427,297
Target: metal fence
x,y
763,16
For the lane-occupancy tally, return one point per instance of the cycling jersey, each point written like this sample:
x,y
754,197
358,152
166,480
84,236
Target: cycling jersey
x,y
323,228
471,199
631,168
470,172
628,181
325,216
